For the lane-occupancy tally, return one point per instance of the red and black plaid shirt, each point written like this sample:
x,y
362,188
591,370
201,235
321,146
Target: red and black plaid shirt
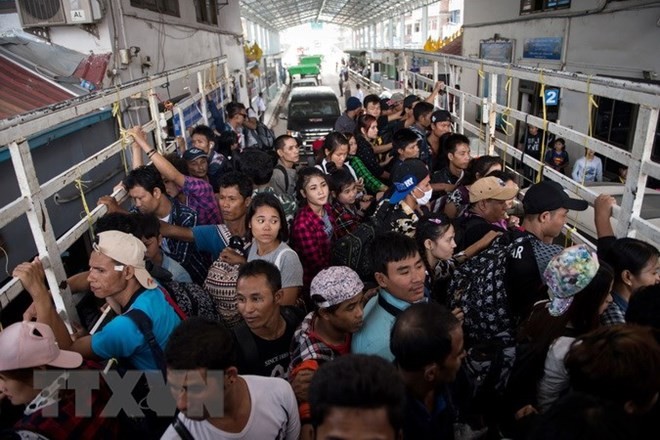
x,y
69,426
310,241
345,220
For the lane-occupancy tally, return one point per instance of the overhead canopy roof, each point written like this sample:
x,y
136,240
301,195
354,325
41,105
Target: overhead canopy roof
x,y
283,14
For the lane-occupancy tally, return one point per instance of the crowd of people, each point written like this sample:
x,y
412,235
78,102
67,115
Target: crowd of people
x,y
400,288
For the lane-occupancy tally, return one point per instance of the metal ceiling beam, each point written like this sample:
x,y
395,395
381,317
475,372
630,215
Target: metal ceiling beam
x,y
282,14
320,10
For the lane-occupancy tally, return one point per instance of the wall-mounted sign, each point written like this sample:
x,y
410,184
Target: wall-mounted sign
x,y
547,48
551,97
496,50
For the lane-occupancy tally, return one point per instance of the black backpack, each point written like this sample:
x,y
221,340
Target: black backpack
x,y
353,249
192,299
265,136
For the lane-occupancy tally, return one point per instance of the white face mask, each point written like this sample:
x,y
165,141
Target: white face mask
x,y
425,198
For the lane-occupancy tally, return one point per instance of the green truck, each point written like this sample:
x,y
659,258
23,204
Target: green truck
x,y
311,59
304,70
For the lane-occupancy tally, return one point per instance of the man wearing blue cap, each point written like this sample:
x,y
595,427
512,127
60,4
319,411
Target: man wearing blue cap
x,y
346,122
412,191
197,192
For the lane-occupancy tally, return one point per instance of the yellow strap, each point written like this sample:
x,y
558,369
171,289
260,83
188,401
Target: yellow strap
x,y
545,128
568,240
116,112
591,104
482,75
6,267
505,115
212,75
80,184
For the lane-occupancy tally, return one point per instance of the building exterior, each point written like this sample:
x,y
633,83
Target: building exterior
x,y
147,37
120,42
617,39
443,19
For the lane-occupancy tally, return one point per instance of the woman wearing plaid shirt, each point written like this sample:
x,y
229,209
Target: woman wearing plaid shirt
x,y
313,225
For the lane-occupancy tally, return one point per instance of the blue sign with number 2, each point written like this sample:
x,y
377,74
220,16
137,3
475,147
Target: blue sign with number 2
x,y
551,96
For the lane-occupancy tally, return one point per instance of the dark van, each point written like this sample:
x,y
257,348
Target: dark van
x,y
312,114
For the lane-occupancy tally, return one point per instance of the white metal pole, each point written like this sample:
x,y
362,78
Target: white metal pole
x,y
42,231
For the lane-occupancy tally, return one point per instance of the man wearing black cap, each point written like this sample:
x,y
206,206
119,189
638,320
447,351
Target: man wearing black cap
x,y
546,210
346,122
411,191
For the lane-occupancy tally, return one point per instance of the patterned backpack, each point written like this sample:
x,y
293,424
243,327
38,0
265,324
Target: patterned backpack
x,y
478,286
220,283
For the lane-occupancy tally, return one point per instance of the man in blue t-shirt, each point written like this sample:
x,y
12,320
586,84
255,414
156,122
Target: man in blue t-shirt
x,y
400,272
234,198
117,274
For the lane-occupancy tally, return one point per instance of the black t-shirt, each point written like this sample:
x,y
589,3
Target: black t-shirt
x,y
273,356
523,276
389,129
444,176
473,229
441,159
532,144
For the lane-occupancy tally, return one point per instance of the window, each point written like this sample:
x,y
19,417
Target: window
x,y
169,7
207,11
531,6
417,26
7,6
615,122
433,24
408,29
655,153
455,16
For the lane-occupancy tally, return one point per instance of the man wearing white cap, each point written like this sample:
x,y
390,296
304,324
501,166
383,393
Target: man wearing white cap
x,y
117,272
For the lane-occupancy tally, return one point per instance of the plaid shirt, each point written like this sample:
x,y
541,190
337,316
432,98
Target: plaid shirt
x,y
183,252
309,240
308,352
307,345
613,314
67,425
345,220
366,153
371,183
202,199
